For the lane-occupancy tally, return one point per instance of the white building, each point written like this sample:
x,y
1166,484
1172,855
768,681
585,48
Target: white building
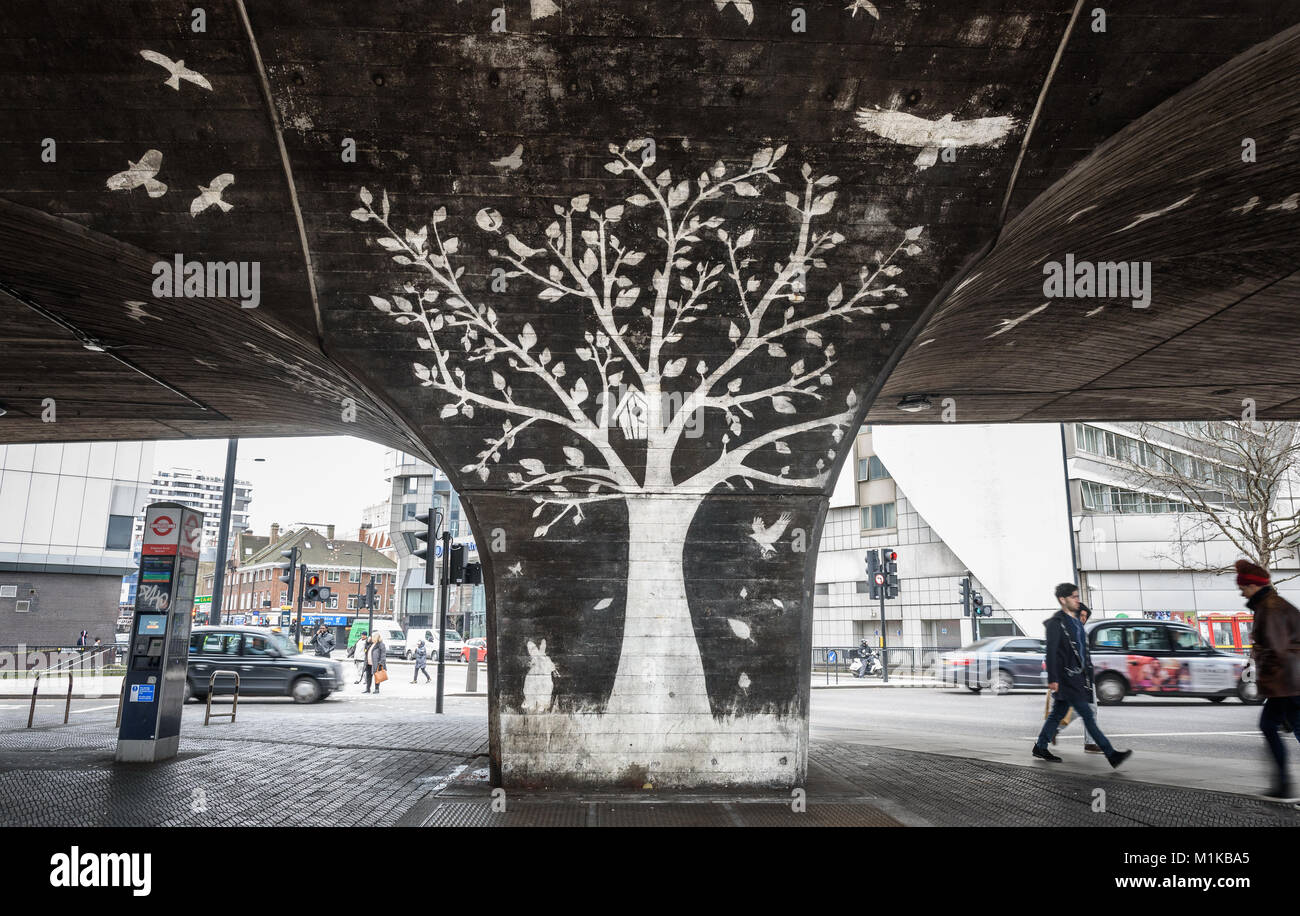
x,y
203,493
67,513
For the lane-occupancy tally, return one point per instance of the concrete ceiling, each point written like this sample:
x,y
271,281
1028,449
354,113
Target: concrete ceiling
x,y
1133,119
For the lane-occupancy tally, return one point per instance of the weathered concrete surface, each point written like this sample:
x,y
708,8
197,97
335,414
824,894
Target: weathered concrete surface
x,y
639,365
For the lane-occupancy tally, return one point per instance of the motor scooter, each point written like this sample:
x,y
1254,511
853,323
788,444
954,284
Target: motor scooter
x,y
867,667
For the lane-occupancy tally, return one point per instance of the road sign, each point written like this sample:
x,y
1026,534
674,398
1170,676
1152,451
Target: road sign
x,y
880,578
832,657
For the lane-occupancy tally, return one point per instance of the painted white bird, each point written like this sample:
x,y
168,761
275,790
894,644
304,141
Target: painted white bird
x,y
177,69
513,161
1143,217
517,569
137,311
766,537
863,5
140,174
930,136
1006,324
212,195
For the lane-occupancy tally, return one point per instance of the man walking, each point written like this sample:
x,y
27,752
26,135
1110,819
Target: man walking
x,y
1277,665
1069,675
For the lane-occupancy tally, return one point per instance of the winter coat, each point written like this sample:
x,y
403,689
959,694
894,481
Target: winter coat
x,y
377,655
324,643
421,656
1064,664
1277,644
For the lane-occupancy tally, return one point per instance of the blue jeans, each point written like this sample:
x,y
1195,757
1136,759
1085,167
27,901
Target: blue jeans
x,y
1083,711
1276,711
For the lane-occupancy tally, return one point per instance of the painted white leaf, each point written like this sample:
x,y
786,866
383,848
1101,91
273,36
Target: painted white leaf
x,y
797,368
739,627
390,244
914,233
677,196
615,167
573,456
439,215
733,333
558,369
527,337
744,681
701,368
775,350
364,194
638,200
498,382
734,385
467,410
664,178
837,294
589,262
823,204
813,338
675,368
541,532
381,304
850,400
782,404
360,213
745,238
744,592
779,603
533,466
448,411
483,474
626,297
634,258
614,214
544,357
580,202
590,237
752,284
762,159
602,604
421,372
783,448
451,245
550,294
579,392
792,200
745,189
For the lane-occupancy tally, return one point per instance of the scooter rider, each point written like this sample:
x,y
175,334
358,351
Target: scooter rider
x,y
866,656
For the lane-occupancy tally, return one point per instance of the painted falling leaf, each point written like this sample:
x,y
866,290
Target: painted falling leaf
x,y
603,603
739,627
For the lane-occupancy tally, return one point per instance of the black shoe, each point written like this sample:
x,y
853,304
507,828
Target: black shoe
x,y
1119,757
365,691
1279,793
1091,749
1044,754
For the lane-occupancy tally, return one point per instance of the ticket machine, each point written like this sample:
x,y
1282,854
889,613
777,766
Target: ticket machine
x,y
158,643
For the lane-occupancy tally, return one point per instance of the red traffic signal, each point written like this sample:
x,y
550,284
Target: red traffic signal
x,y
313,581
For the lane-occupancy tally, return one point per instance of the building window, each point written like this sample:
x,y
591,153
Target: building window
x,y
412,484
333,603
408,511
354,576
352,602
284,597
881,516
332,575
119,532
863,587
822,588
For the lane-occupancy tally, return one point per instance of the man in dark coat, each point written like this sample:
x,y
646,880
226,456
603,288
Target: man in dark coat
x,y
1069,675
323,641
1277,665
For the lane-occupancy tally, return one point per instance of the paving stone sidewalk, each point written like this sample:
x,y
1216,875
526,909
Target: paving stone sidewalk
x,y
400,765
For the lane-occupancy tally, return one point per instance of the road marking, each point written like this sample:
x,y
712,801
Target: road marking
x,y
451,777
97,708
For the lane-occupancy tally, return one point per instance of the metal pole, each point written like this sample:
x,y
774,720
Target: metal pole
x,y
302,586
444,581
884,636
223,534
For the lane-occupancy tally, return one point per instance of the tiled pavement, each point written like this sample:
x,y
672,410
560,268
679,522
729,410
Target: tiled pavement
x,y
394,762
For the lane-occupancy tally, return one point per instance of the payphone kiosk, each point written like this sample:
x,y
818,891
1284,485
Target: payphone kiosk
x,y
158,647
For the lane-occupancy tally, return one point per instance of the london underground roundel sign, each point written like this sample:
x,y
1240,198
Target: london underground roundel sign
x,y
163,525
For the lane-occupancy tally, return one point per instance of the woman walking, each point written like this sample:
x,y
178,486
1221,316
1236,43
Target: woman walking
x,y
377,658
421,656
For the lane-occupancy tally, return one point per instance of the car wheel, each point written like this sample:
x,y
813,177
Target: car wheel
x,y
1111,690
410,654
974,689
1002,682
305,690
1216,699
1248,693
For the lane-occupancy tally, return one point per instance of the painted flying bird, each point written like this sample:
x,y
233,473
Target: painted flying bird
x,y
766,537
863,5
1008,323
212,195
140,173
909,130
1143,217
517,569
513,161
137,311
177,69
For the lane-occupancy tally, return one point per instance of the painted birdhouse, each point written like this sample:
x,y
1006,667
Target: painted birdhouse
x,y
632,415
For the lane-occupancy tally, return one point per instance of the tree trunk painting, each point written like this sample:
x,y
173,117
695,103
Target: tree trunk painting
x,y
658,416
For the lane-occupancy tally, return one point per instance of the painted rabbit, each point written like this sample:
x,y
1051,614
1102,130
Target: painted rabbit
x,y
538,683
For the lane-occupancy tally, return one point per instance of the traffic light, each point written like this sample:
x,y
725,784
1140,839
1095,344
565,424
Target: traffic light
x,y
311,587
889,565
873,570
473,573
456,567
289,571
370,596
425,542
964,586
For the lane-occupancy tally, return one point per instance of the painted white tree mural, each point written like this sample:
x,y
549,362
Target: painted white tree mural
x,y
641,298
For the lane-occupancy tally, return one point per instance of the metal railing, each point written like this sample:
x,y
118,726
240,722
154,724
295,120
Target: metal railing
x,y
36,687
212,687
909,661
22,660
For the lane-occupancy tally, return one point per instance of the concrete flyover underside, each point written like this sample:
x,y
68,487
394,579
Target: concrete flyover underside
x,y
633,274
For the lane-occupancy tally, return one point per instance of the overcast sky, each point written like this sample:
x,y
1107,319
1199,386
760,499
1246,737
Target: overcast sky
x,y
320,480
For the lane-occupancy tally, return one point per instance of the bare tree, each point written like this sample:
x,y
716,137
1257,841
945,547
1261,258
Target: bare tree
x,y
632,355
1232,482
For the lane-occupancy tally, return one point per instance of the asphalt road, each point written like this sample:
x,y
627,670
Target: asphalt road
x,y
1175,741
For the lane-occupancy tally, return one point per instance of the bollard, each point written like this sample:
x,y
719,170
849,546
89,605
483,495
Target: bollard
x,y
32,712
67,707
471,673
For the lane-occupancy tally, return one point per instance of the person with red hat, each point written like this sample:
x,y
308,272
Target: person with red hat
x,y
1276,654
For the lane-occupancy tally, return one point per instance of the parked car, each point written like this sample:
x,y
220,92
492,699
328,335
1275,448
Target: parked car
x,y
477,643
999,663
268,664
1161,658
430,636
